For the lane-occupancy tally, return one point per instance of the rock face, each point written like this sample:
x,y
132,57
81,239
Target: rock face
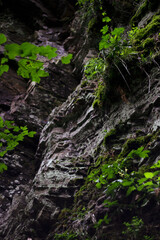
x,y
40,194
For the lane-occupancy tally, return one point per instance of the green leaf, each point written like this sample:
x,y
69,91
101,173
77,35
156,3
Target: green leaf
x,y
2,153
9,124
104,30
117,31
35,77
31,134
28,50
106,19
142,180
3,38
4,60
149,175
42,73
104,44
12,50
1,123
156,165
67,59
98,224
23,128
106,219
48,51
139,188
2,167
6,131
130,190
110,204
139,153
126,183
16,129
31,69
148,183
3,68
98,185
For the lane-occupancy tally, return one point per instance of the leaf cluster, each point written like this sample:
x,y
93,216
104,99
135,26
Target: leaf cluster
x,y
120,175
111,40
27,56
10,136
135,229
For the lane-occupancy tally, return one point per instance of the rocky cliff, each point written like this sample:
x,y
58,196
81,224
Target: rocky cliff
x,y
49,190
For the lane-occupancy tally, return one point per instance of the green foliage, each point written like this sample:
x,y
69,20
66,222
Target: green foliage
x,y
3,38
105,220
140,152
112,41
133,143
144,41
94,68
66,59
31,69
152,27
122,174
10,136
3,167
27,55
115,47
65,236
3,68
146,237
134,229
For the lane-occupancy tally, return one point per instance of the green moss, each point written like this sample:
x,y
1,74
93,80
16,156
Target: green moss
x,y
91,24
109,136
151,28
100,95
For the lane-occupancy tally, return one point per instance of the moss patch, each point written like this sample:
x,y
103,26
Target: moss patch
x,y
151,28
100,95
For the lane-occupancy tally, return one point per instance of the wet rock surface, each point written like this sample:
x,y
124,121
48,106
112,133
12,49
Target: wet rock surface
x,y
46,172
28,103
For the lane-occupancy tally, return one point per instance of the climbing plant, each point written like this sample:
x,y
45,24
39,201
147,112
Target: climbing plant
x,y
27,55
30,67
122,174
